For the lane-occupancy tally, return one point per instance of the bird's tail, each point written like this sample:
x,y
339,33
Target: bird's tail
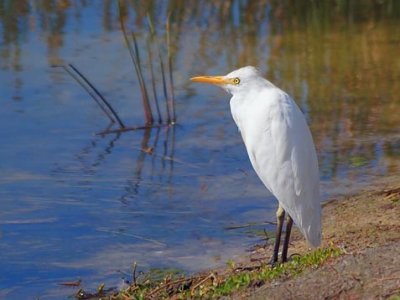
x,y
312,231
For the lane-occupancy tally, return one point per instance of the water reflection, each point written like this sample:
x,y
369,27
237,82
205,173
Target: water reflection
x,y
161,165
79,205
88,163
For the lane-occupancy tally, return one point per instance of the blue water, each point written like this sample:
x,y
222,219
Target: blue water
x,y
78,205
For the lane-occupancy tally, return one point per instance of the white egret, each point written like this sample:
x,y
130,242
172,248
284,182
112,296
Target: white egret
x,y
280,148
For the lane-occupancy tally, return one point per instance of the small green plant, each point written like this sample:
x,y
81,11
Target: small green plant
x,y
293,268
358,161
231,264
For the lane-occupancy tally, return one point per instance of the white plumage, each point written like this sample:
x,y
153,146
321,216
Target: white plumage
x,y
279,145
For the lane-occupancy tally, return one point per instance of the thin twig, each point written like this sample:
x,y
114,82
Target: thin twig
x,y
248,268
133,128
150,151
248,225
71,283
132,235
210,276
178,281
389,278
99,94
134,273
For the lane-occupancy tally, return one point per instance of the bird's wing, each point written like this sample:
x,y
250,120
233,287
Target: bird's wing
x,y
297,184
283,155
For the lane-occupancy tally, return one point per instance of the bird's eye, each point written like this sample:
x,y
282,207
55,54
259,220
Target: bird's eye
x,y
236,81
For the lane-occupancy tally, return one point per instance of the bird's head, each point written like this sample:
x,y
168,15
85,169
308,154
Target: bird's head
x,y
234,82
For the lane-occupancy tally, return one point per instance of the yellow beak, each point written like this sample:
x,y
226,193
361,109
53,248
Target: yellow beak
x,y
219,80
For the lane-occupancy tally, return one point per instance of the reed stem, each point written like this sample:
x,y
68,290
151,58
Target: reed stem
x,y
134,53
171,79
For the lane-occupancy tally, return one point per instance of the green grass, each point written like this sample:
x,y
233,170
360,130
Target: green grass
x,y
358,161
215,286
291,269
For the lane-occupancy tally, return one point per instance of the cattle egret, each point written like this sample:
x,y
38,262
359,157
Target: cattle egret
x,y
281,150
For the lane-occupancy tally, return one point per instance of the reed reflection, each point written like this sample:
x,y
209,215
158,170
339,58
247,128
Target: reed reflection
x,y
153,166
90,158
157,170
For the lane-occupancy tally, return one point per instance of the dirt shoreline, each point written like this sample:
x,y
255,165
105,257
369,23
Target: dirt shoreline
x,y
367,226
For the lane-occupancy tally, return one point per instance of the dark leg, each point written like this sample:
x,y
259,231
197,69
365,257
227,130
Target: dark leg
x,y
289,224
280,216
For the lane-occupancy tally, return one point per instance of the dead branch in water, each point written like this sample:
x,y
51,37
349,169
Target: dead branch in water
x,y
165,68
132,128
100,95
94,93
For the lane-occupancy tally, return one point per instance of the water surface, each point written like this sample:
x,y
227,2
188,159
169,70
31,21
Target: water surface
x,y
77,205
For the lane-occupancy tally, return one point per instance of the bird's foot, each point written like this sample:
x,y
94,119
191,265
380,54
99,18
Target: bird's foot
x,y
273,262
290,258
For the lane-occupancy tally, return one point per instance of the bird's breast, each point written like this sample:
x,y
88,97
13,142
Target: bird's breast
x,y
253,118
